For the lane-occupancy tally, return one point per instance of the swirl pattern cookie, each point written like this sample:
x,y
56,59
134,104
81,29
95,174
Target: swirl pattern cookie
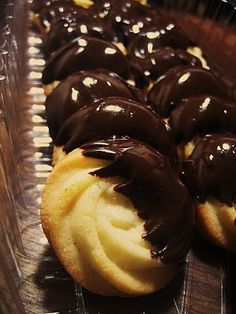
x,y
117,117
114,208
118,234
83,23
202,118
210,174
80,89
180,83
79,55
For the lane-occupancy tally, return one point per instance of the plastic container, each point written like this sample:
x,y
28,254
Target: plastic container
x,y
206,284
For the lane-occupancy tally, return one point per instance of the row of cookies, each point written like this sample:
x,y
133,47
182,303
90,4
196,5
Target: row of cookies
x,y
114,209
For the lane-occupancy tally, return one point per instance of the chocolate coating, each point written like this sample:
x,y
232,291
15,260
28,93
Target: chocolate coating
x,y
202,115
102,7
157,194
211,168
79,90
56,10
151,38
152,66
126,17
183,82
82,24
85,53
119,117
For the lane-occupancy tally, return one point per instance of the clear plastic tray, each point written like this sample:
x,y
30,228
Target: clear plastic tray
x,y
205,285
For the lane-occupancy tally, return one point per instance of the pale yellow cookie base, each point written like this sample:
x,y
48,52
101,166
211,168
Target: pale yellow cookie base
x,y
37,22
50,87
87,3
188,148
121,47
96,232
216,221
58,154
197,52
83,3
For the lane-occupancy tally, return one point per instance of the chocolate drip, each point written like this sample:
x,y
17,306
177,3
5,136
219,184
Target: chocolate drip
x,y
152,38
183,82
202,115
85,53
82,24
118,117
152,66
211,168
157,194
79,90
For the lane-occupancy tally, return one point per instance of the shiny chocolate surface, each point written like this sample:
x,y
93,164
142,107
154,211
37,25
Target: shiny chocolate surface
x,y
126,18
183,82
57,10
150,67
116,117
85,53
156,192
79,90
202,115
81,24
103,7
210,170
151,38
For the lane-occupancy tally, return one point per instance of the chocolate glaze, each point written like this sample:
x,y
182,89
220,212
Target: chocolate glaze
x,y
152,66
102,7
129,17
118,117
211,168
151,38
202,115
79,90
83,24
183,82
157,194
57,10
126,17
85,53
